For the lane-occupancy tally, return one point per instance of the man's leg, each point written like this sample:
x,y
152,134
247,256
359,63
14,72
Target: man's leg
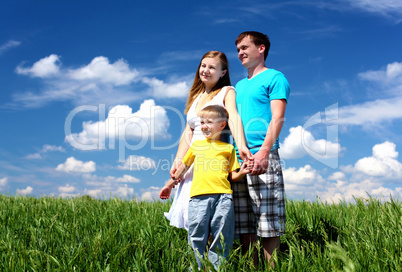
x,y
248,241
270,245
268,195
245,225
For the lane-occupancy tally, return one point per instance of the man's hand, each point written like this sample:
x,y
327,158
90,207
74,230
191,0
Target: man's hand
x,y
261,163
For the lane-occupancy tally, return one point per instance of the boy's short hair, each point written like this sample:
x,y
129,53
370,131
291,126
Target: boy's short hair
x,y
219,112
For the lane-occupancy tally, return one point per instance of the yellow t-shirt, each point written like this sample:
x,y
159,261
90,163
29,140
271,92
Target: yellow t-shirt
x,y
213,161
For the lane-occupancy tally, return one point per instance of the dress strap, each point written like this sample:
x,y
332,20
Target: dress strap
x,y
222,93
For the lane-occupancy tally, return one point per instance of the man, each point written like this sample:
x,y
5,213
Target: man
x,y
261,100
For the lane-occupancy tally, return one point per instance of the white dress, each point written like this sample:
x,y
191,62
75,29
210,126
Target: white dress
x,y
178,213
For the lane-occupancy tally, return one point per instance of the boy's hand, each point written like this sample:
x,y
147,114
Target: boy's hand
x,y
246,167
176,181
165,192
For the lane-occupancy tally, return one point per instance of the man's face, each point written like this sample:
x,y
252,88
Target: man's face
x,y
249,54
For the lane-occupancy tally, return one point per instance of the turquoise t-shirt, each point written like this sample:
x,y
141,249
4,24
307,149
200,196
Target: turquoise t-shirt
x,y
253,100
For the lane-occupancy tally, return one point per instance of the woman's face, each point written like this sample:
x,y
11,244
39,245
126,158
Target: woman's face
x,y
210,71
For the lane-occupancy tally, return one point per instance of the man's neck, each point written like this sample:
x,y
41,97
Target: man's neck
x,y
253,71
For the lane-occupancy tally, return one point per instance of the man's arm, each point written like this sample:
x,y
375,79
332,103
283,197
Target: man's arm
x,y
278,107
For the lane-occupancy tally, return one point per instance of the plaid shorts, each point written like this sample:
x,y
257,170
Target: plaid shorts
x,y
259,201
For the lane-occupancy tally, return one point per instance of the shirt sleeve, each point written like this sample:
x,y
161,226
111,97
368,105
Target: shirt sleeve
x,y
234,163
189,157
280,88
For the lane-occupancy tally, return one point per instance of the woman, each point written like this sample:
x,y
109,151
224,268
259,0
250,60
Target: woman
x,y
211,86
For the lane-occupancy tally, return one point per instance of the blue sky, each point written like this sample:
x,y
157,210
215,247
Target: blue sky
x,y
93,92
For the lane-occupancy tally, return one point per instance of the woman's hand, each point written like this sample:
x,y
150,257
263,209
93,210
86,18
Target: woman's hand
x,y
173,169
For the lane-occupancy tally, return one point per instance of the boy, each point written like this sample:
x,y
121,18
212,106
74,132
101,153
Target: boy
x,y
211,203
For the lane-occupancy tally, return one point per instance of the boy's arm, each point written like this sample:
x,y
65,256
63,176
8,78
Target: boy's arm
x,y
245,168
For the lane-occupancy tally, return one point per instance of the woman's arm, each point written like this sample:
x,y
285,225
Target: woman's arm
x,y
184,145
235,125
180,171
167,189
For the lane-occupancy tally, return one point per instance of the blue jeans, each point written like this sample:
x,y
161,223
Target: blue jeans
x,y
211,214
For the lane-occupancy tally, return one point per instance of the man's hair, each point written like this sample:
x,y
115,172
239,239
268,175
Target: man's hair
x,y
257,38
218,112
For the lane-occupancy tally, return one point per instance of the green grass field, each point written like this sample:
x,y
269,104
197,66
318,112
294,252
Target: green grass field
x,y
84,234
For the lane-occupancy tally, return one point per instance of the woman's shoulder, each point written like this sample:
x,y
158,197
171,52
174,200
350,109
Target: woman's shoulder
x,y
228,88
225,90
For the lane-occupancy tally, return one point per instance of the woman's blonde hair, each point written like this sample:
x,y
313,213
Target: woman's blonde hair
x,y
198,86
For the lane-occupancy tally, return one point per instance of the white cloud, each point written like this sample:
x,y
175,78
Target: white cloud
x,y
162,89
348,191
3,182
383,163
34,156
93,193
371,113
124,191
386,82
46,67
26,191
109,181
150,194
76,166
372,176
337,176
8,45
305,181
388,8
49,148
67,189
150,121
394,70
99,82
134,162
118,73
109,186
46,148
301,142
127,179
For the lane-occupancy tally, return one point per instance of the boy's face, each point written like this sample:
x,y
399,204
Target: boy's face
x,y
211,126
